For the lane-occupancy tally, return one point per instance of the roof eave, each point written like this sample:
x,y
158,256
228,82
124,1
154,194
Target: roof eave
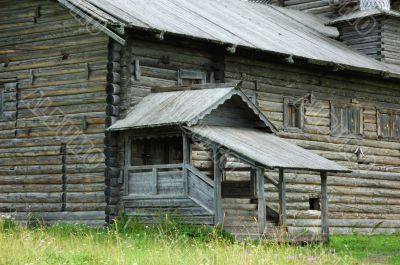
x,y
331,66
382,74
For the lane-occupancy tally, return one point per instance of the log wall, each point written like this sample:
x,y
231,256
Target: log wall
x,y
375,37
364,36
391,41
52,138
363,201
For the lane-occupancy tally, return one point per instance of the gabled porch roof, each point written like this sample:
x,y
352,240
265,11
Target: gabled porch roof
x,y
187,107
257,144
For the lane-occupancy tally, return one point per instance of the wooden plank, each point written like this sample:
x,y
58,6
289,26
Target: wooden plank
x,y
324,206
261,200
282,198
151,167
186,160
253,182
127,163
217,186
200,175
154,180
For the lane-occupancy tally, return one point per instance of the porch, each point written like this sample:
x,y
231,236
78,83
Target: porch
x,y
159,176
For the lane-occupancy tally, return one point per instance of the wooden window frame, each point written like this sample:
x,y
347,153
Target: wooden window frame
x,y
286,103
341,105
393,113
192,75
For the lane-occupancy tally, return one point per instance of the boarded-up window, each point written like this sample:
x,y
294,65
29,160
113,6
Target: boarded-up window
x,y
293,114
191,77
388,123
346,120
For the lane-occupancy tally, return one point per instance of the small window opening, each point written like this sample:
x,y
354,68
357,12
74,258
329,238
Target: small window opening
x,y
315,204
191,77
346,120
293,114
388,122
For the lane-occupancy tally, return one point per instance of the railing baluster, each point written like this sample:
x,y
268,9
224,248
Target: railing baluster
x,y
155,188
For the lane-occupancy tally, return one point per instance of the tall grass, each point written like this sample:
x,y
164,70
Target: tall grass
x,y
133,243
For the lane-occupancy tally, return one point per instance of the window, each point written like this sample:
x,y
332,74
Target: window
x,y
346,120
314,203
293,114
388,123
191,77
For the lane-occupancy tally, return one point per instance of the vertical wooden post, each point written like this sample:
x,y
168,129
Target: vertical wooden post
x,y
253,185
324,206
282,197
155,181
186,161
217,187
261,200
127,163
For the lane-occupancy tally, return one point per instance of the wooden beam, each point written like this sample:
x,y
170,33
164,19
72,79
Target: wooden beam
x,y
155,181
282,197
186,161
253,186
261,200
217,186
324,206
127,163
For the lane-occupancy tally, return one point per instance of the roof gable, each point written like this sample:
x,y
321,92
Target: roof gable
x,y
188,107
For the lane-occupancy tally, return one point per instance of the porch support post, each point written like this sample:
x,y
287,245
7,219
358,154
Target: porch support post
x,y
324,207
282,197
217,187
186,161
127,163
261,200
253,185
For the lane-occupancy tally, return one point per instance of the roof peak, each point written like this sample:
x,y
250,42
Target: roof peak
x,y
185,107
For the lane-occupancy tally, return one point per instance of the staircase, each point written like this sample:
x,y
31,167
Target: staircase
x,y
240,218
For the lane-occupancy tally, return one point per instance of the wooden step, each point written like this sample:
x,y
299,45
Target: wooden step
x,y
239,212
248,236
236,201
236,227
226,206
241,230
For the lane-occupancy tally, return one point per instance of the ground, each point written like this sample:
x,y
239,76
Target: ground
x,y
171,243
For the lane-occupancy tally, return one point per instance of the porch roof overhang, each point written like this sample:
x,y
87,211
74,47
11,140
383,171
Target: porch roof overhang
x,y
184,108
265,149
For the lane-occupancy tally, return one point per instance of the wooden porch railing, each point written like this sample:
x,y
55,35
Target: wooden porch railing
x,y
200,188
154,180
170,180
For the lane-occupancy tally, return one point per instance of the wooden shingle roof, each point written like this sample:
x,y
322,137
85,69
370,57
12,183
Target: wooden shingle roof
x,y
240,24
264,148
186,107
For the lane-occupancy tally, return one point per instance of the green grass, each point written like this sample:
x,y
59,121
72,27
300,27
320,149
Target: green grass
x,y
372,249
171,243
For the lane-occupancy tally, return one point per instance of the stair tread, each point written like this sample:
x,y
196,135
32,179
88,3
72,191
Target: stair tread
x,y
239,206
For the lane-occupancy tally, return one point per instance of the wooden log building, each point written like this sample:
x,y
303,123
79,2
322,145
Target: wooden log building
x,y
249,114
